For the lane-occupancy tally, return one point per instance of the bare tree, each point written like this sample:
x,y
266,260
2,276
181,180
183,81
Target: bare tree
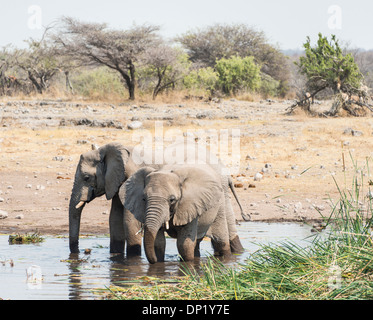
x,y
95,44
164,66
38,61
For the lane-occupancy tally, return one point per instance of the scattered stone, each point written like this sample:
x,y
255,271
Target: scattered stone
x,y
201,115
297,207
3,214
238,185
40,187
354,133
20,216
2,199
134,125
258,176
252,185
249,157
87,251
318,207
28,186
58,158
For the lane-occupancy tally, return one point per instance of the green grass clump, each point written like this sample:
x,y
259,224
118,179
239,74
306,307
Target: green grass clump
x,y
337,264
25,238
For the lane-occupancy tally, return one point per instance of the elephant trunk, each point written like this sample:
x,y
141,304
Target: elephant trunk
x,y
74,226
155,217
77,201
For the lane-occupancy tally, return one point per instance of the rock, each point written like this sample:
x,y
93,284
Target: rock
x,y
356,133
238,185
28,186
135,125
58,158
2,199
201,115
297,207
249,157
258,176
20,216
3,214
252,185
353,132
40,187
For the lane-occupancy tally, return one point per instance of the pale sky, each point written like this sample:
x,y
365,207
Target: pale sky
x,y
286,23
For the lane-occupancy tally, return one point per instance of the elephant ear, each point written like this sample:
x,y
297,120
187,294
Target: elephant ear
x,y
200,191
134,189
114,158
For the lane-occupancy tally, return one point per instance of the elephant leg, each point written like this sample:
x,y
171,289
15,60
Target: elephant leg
x,y
234,239
186,240
220,233
133,237
117,232
160,245
197,252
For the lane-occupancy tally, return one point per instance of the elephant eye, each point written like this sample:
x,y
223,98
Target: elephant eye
x,y
172,199
86,178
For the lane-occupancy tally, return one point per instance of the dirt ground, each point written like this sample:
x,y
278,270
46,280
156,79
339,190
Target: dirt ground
x,y
299,157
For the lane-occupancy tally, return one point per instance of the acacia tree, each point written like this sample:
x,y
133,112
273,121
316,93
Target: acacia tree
x,y
93,44
325,66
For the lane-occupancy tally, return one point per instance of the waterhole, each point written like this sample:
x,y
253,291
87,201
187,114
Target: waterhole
x,y
81,276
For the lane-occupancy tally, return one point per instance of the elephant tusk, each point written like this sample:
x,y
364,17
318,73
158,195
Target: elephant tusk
x,y
167,225
80,204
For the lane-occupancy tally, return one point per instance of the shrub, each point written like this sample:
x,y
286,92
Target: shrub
x,y
237,74
98,83
204,79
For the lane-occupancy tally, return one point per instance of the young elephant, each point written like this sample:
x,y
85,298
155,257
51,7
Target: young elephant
x,y
102,172
186,201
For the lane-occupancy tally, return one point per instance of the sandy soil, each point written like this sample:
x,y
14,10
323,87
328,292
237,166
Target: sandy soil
x,y
299,157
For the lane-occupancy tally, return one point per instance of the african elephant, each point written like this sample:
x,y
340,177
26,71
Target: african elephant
x,y
195,153
103,171
186,201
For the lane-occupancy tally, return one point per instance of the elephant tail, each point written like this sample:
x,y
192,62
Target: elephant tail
x,y
244,215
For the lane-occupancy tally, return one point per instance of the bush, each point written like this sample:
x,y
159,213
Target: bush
x,y
203,80
98,83
269,86
237,74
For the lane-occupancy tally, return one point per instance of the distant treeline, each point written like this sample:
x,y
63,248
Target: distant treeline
x,y
94,61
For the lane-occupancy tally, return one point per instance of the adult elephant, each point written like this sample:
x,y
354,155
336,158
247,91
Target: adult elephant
x,y
103,171
186,201
99,172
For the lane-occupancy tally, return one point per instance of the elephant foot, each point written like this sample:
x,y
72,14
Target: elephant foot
x,y
221,248
236,246
116,246
133,250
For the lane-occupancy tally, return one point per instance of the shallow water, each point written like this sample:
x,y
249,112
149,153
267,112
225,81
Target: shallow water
x,y
79,276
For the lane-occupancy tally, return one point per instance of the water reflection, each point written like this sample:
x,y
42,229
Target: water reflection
x,y
77,276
